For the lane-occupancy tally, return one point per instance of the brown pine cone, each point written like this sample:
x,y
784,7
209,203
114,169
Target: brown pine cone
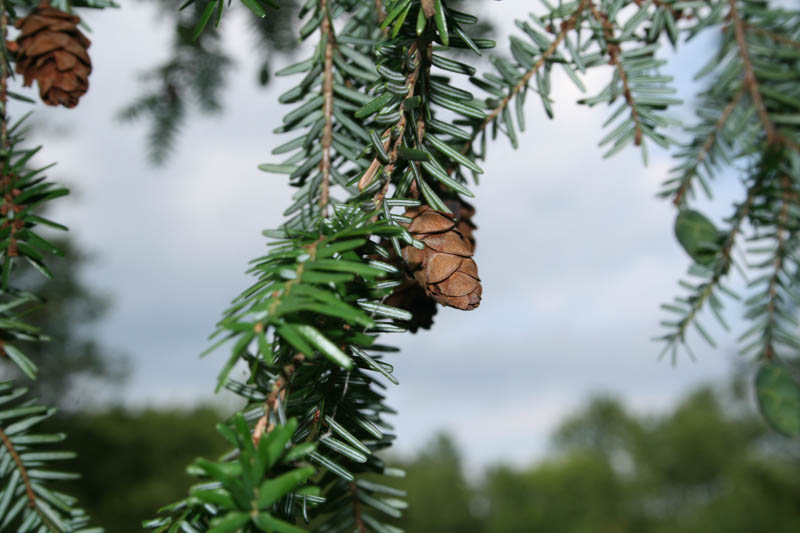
x,y
52,51
444,268
412,297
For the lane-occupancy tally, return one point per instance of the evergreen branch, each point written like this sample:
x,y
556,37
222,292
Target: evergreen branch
x,y
360,526
4,73
613,51
690,173
566,27
326,31
23,472
25,503
750,82
381,15
772,288
772,35
720,266
396,131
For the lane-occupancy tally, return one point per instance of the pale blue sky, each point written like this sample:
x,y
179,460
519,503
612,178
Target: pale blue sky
x,y
574,251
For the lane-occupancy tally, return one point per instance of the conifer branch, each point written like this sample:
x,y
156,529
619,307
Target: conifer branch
x,y
772,35
720,267
613,51
360,526
750,82
395,131
381,14
4,141
566,27
706,148
326,30
23,472
772,290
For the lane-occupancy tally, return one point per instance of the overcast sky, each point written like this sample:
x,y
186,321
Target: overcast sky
x,y
574,251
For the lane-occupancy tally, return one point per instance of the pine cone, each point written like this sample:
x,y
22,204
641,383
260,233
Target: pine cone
x,y
445,267
52,51
412,297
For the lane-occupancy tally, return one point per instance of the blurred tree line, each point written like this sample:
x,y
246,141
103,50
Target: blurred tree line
x,y
700,468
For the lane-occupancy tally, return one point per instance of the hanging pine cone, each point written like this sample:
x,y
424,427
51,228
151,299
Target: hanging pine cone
x,y
444,268
52,51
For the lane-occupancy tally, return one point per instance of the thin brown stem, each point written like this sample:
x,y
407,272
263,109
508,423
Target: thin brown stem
x,y
613,59
23,472
381,13
709,143
277,396
751,82
398,129
777,266
523,82
4,140
420,125
723,266
326,28
774,36
360,526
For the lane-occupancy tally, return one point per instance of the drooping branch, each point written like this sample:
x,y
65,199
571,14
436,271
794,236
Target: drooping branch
x,y
750,82
707,145
614,51
774,36
773,297
326,29
23,472
397,130
721,267
566,27
4,142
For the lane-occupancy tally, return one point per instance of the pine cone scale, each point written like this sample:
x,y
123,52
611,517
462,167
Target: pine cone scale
x,y
441,266
451,242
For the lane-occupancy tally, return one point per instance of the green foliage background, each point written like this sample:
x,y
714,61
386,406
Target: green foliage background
x,y
707,465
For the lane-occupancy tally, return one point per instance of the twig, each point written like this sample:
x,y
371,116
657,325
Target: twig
x,y
420,125
777,266
749,75
523,82
399,129
613,54
708,144
381,14
771,35
23,472
722,266
326,29
361,527
4,141
9,191
277,396
751,83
